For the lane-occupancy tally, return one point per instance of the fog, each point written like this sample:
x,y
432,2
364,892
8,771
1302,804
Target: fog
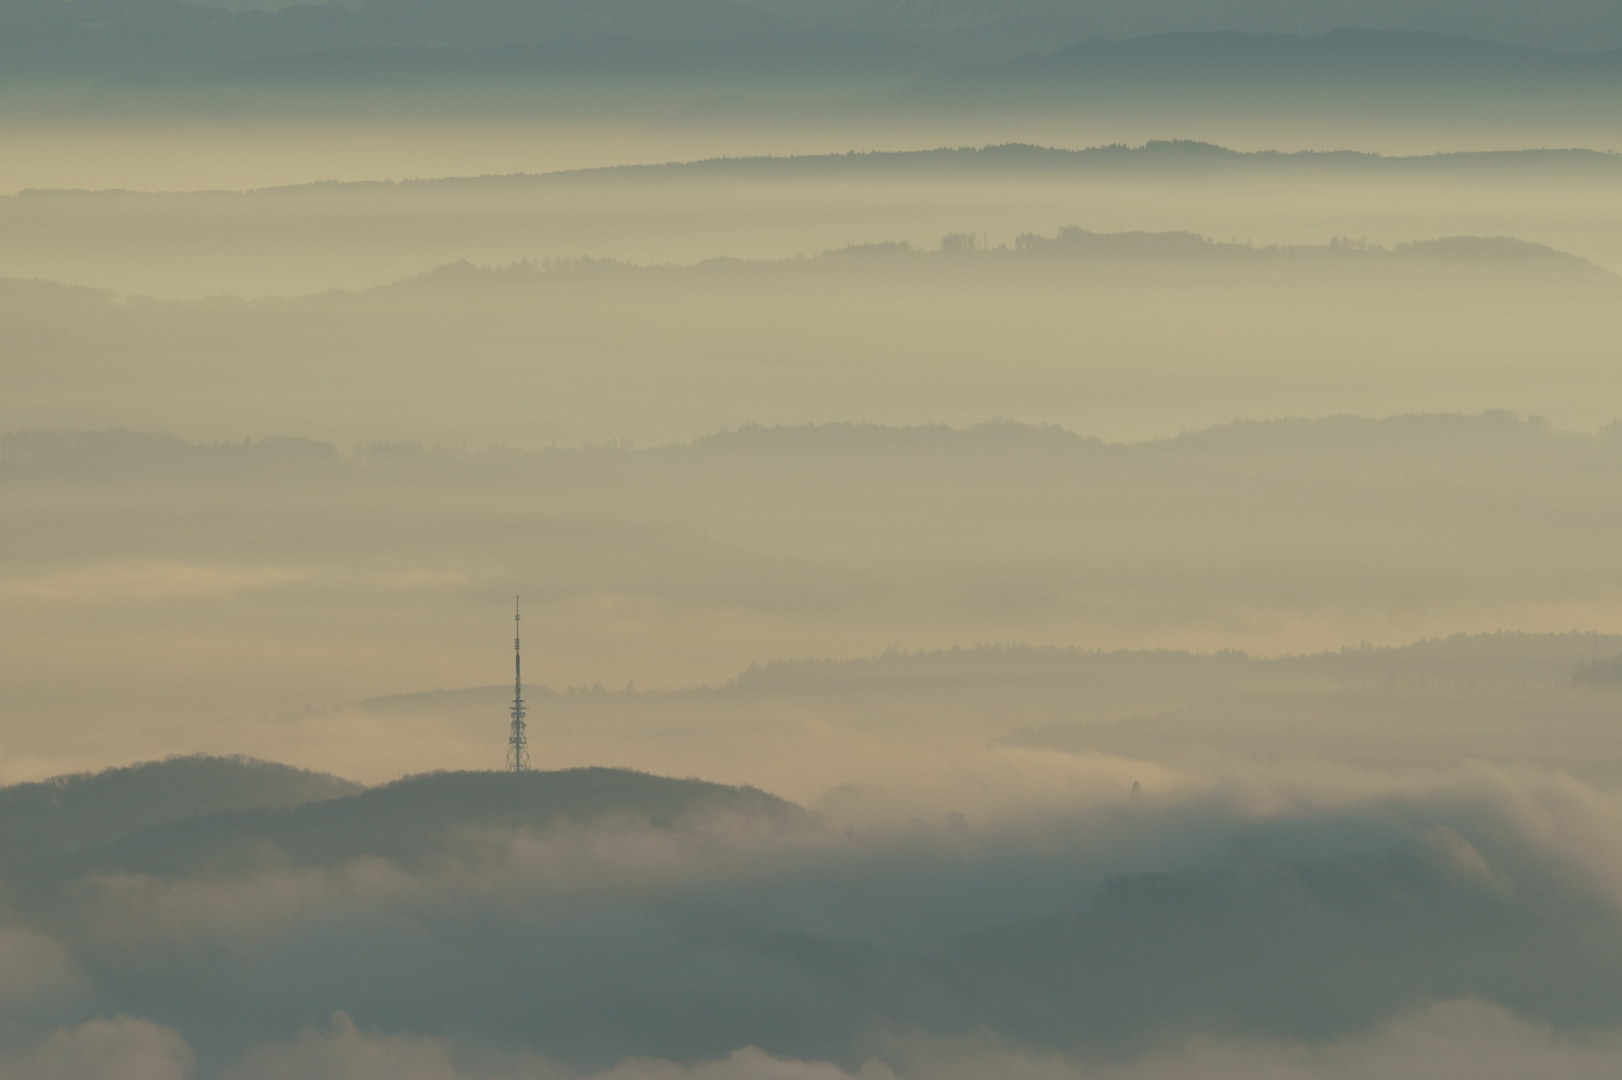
x,y
311,238
240,597
562,923
1069,333
1057,541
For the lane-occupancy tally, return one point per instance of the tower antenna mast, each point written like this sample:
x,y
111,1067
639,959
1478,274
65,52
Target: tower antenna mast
x,y
518,741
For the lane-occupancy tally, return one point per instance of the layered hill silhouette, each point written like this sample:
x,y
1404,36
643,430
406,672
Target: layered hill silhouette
x,y
66,814
1153,157
407,819
195,814
1072,250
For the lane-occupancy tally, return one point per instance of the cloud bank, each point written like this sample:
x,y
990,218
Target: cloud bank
x,y
1239,920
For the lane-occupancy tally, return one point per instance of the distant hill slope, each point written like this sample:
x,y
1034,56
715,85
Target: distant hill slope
x,y
1073,250
33,294
1028,681
411,817
71,813
1501,658
1158,157
1074,253
1154,157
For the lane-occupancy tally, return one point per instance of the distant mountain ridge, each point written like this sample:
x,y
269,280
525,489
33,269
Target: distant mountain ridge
x,y
1072,248
1515,658
1552,658
1156,156
1340,435
403,821
50,818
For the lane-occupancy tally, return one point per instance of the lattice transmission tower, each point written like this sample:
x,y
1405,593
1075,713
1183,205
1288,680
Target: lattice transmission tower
x,y
518,741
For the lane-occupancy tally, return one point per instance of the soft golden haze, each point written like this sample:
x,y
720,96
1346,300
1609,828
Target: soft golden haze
x,y
1067,539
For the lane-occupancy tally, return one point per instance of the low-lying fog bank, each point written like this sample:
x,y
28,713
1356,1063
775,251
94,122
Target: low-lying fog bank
x,y
1303,921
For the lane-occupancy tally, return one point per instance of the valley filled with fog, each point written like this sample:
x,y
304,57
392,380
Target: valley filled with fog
x,y
1070,541
184,568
